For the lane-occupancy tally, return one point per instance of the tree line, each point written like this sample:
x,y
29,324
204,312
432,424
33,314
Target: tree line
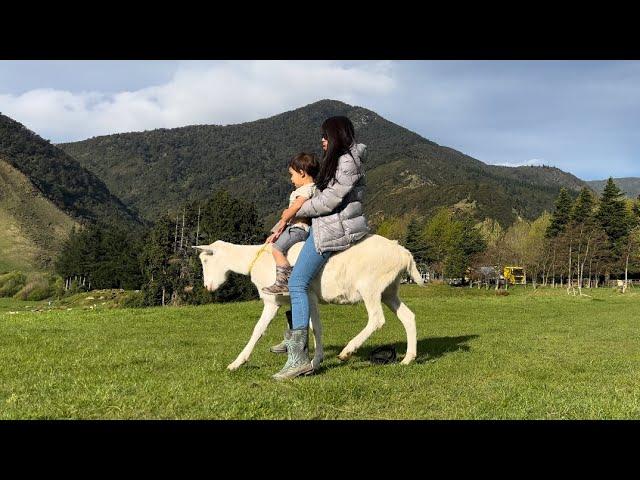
x,y
160,262
583,242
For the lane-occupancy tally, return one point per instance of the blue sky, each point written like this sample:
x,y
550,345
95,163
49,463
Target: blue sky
x,y
581,116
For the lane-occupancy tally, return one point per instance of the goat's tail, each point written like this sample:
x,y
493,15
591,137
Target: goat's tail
x,y
412,270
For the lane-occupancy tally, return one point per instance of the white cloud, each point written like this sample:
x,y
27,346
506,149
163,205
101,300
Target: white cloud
x,y
534,162
198,93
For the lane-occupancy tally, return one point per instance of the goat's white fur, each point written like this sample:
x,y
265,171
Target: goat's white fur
x,y
369,271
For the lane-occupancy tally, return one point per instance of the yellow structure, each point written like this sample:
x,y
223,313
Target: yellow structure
x,y
515,275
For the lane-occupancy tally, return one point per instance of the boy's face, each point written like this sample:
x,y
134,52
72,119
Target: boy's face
x,y
298,178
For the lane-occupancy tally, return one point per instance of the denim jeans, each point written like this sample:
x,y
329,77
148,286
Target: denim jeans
x,y
307,265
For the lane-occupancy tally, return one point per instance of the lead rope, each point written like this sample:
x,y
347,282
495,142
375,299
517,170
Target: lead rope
x,y
257,255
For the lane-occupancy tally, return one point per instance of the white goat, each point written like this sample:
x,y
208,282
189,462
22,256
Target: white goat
x,y
370,270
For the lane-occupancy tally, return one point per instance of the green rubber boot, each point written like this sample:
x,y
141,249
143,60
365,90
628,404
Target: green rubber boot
x,y
298,362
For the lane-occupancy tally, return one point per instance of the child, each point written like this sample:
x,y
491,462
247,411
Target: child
x,y
303,169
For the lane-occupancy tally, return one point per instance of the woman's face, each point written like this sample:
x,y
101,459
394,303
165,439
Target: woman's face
x,y
325,142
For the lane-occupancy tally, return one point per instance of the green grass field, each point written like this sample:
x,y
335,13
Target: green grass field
x,y
529,355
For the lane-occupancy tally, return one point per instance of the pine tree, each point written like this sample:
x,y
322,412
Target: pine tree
x,y
612,213
230,219
234,220
174,272
414,241
561,215
158,248
582,210
103,256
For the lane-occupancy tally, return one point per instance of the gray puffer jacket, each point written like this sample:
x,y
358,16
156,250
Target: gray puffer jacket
x,y
336,212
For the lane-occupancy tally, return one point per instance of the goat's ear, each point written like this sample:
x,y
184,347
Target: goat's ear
x,y
204,248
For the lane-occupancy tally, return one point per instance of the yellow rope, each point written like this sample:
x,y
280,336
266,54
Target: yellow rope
x,y
257,255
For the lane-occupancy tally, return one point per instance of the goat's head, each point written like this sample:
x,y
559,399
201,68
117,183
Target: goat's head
x,y
214,265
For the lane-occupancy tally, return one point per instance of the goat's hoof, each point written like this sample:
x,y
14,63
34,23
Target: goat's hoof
x,y
345,356
233,366
316,362
407,360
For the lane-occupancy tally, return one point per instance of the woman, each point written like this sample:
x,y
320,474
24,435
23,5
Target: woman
x,y
337,223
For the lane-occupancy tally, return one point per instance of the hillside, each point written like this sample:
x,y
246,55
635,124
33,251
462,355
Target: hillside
x,y
62,180
629,185
154,170
32,228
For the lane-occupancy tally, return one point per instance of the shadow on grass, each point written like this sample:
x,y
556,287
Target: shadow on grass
x,y
428,350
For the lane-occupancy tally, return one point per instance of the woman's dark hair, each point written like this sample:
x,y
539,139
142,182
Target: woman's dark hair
x,y
340,133
305,162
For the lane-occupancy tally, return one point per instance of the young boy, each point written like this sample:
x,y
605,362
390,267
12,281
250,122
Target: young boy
x,y
303,168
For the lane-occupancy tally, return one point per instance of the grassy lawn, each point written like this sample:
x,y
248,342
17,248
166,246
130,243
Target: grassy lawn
x,y
529,355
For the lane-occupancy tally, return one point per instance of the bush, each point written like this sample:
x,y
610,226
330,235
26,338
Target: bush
x,y
38,286
134,299
58,287
11,283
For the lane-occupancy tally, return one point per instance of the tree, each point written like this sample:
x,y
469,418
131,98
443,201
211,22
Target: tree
x,y
414,241
436,236
451,241
636,207
491,231
582,210
561,215
230,219
158,247
101,256
578,235
394,228
631,245
173,273
631,253
533,251
612,213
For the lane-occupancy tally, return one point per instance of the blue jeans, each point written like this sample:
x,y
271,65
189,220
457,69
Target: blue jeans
x,y
307,265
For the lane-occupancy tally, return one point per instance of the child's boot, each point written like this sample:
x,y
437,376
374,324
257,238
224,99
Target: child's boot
x,y
282,281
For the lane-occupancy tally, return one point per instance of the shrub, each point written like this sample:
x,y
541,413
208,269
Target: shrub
x,y
58,287
37,287
134,299
11,283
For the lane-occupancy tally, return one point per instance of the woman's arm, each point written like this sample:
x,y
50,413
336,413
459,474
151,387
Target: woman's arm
x,y
347,175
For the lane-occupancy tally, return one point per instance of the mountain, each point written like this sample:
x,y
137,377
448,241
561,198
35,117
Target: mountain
x,y
155,170
44,193
62,180
32,228
629,185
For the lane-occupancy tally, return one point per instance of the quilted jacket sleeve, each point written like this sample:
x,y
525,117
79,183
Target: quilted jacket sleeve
x,y
326,201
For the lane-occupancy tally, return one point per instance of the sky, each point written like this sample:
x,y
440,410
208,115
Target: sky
x,y
580,116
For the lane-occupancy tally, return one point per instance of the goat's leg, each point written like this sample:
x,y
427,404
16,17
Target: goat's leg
x,y
269,311
408,319
316,327
376,321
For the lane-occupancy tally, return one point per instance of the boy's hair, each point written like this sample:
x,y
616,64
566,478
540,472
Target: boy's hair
x,y
305,162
